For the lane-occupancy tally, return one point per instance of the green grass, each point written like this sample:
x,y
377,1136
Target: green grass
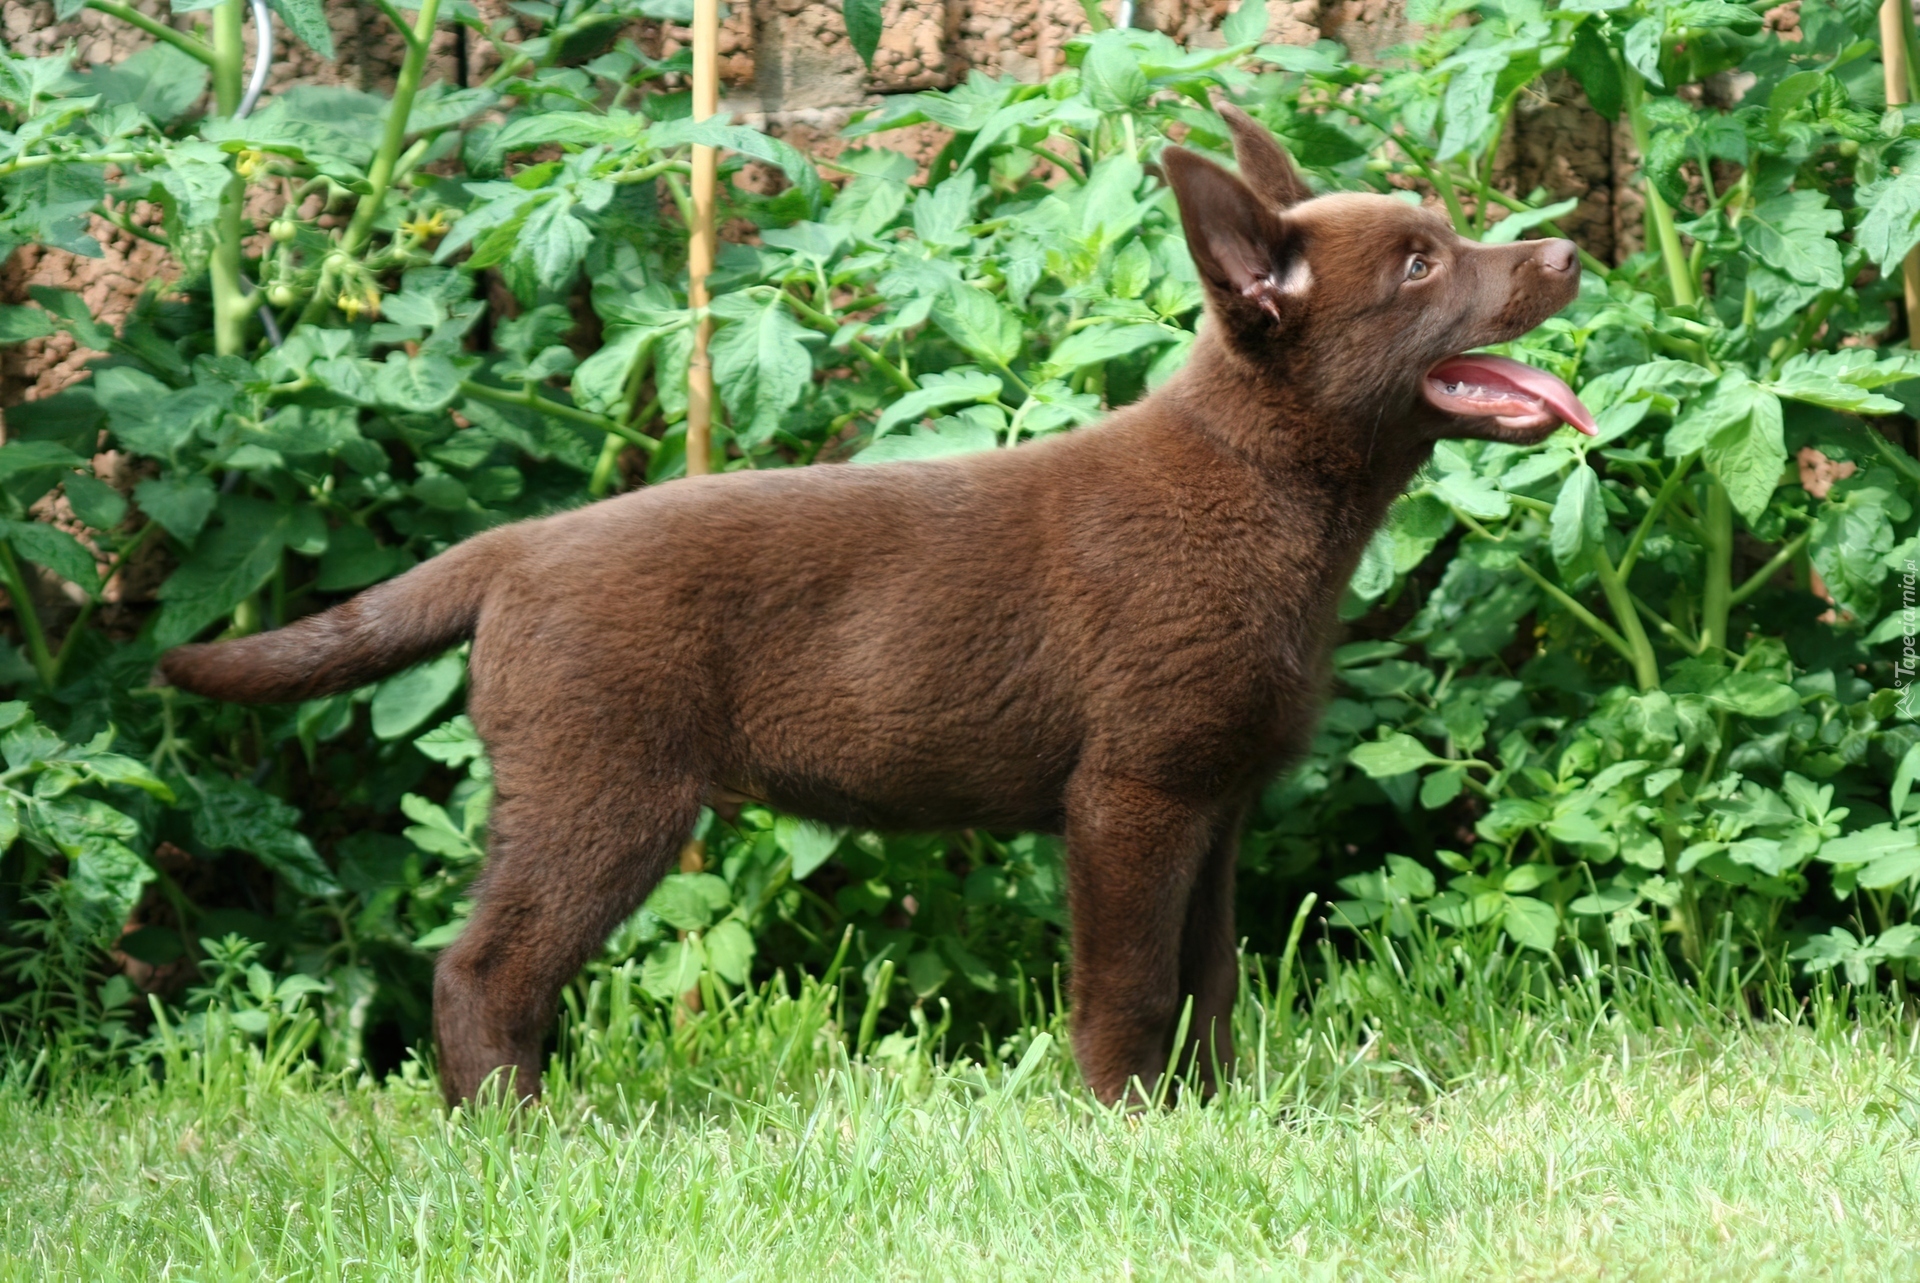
x,y
1420,1114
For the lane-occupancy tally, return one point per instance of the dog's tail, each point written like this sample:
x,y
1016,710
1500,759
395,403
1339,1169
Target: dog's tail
x,y
383,630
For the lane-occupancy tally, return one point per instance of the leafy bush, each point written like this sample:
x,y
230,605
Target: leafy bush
x,y
1590,681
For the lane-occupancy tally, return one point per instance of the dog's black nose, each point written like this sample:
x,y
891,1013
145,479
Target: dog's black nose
x,y
1558,255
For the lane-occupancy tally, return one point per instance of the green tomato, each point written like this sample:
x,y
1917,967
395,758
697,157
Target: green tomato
x,y
281,294
283,229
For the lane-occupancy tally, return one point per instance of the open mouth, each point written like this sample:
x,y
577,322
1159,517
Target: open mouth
x,y
1476,385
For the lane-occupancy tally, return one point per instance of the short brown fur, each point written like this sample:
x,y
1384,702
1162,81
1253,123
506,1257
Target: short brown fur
x,y
1116,634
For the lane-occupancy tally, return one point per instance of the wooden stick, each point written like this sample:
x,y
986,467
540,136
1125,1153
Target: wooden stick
x,y
700,251
700,248
1893,58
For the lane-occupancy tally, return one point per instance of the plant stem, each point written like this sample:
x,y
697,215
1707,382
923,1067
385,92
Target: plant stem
x,y
1654,617
380,176
1659,505
230,294
16,586
531,400
1671,254
826,324
1600,626
79,626
1646,668
160,31
1758,579
1805,334
1717,597
85,158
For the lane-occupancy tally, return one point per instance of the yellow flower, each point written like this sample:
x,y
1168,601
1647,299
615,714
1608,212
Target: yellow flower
x,y
250,162
353,305
427,226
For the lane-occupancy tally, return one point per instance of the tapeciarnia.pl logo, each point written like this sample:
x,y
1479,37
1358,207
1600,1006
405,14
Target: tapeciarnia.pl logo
x,y
1903,668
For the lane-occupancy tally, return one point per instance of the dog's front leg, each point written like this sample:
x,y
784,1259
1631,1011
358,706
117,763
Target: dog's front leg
x,y
1133,854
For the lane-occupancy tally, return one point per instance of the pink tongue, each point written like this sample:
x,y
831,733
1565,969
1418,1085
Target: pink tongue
x,y
1478,385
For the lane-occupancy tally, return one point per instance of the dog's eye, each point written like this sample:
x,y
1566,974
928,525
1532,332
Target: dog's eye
x,y
1417,267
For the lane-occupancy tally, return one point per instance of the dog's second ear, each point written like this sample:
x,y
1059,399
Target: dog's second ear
x,y
1265,167
1248,258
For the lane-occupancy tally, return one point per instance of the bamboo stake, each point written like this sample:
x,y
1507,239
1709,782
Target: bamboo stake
x,y
700,252
1894,17
700,247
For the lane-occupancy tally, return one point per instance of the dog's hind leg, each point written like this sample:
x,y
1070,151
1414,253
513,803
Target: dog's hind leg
x,y
568,859
1209,960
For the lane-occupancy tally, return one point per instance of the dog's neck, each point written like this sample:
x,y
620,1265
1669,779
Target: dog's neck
x,y
1351,464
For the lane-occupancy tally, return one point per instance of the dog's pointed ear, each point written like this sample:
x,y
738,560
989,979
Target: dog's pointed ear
x,y
1250,261
1265,167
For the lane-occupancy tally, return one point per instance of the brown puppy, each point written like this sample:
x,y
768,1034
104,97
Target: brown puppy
x,y
1118,634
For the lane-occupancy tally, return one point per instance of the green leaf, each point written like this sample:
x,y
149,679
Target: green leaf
x,y
730,951
19,323
109,876
1110,74
197,175
1579,518
1510,228
868,204
1738,428
95,502
713,132
434,831
808,844
1642,49
965,433
454,742
1469,100
441,936
1903,778
1473,495
354,559
402,703
1246,25
69,310
180,504
160,81
419,384
554,242
24,458
1395,755
863,27
975,320
226,565
672,969
1749,460
1441,787
1592,63
1102,343
233,815
689,901
1752,695
1792,232
55,549
1869,845
1890,870
761,363
938,391
1892,225
1849,545
1531,923
307,19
